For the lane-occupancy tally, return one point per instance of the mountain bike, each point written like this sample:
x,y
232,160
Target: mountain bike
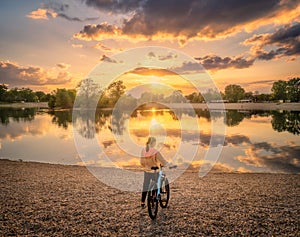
x,y
159,192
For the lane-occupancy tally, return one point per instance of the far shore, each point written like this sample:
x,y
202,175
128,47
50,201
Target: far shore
x,y
211,106
26,105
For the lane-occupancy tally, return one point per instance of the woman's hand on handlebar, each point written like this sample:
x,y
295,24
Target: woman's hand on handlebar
x,y
171,165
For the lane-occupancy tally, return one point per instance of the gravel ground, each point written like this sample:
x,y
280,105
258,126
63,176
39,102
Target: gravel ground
x,y
55,200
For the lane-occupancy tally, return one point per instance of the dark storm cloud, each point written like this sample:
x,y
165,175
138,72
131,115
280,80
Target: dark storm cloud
x,y
119,6
286,39
187,67
69,18
213,62
15,75
189,18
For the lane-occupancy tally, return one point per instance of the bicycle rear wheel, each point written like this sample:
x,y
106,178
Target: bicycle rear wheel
x,y
164,193
152,202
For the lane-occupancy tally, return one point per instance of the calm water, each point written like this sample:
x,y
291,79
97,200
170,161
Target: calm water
x,y
256,141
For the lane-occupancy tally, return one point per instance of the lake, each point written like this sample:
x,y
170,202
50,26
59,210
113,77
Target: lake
x,y
255,141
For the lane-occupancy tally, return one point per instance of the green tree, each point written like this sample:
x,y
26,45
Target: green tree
x,y
293,89
26,94
3,90
263,97
88,93
234,93
114,91
176,97
41,96
195,97
212,95
51,101
64,98
279,90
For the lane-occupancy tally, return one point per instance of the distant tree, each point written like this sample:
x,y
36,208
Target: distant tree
x,y
176,97
127,102
264,97
279,90
115,91
234,93
249,95
195,97
51,101
88,92
26,94
3,90
212,94
64,98
41,96
293,89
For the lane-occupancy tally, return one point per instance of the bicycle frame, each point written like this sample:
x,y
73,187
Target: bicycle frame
x,y
160,174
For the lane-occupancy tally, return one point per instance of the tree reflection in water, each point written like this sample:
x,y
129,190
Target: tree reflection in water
x,y
88,123
17,115
286,121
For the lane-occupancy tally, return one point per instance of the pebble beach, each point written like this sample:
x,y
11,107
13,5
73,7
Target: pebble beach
x,y
39,199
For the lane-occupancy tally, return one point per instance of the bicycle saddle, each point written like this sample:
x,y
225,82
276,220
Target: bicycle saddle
x,y
154,168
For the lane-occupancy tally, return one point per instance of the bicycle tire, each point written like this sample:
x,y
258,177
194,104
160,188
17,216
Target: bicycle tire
x,y
152,202
164,193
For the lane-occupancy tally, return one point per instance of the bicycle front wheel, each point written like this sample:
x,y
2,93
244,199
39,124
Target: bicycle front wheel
x,y
152,202
164,193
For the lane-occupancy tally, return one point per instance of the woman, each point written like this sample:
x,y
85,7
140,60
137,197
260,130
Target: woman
x,y
150,157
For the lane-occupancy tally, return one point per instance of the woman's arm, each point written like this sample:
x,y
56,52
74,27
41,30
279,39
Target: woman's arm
x,y
161,159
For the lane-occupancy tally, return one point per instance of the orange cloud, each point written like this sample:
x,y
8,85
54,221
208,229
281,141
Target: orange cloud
x,y
144,71
42,14
13,74
188,20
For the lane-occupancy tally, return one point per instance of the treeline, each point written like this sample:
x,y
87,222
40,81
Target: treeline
x,y
285,91
22,95
87,94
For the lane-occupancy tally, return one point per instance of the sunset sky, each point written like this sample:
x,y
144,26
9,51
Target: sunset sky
x,y
53,44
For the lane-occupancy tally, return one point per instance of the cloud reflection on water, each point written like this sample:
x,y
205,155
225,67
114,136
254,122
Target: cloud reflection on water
x,y
257,141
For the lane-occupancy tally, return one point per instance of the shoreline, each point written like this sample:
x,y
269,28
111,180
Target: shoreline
x,y
204,106
242,106
135,169
42,105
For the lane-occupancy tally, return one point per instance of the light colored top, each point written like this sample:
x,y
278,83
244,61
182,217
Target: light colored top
x,y
151,158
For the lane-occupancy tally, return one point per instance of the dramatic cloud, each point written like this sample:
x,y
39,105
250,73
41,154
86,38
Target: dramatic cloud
x,y
100,32
276,158
213,62
188,67
16,75
187,19
117,6
286,41
53,10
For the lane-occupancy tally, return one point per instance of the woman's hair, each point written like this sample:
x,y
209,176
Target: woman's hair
x,y
150,140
